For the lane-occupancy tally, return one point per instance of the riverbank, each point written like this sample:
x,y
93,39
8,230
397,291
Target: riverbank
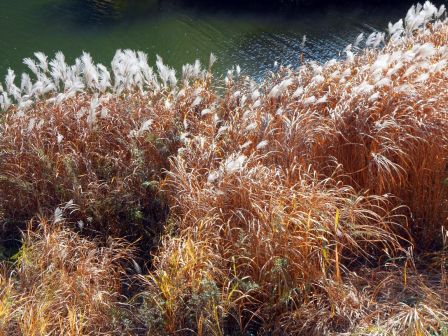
x,y
312,203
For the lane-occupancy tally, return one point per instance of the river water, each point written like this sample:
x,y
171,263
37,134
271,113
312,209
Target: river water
x,y
181,31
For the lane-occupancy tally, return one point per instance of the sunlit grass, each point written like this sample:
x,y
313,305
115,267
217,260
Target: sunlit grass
x,y
61,282
314,202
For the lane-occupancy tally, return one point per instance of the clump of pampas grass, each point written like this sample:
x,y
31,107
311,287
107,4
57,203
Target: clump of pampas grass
x,y
314,202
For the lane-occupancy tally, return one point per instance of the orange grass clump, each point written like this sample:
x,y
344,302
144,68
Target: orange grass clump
x,y
262,244
103,156
63,284
378,117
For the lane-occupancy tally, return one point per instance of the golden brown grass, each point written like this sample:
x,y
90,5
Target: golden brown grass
x,y
313,203
104,169
264,245
63,284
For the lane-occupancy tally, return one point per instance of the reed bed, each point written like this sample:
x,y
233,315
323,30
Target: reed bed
x,y
61,283
312,203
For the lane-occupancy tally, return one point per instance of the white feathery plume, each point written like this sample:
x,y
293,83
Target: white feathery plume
x,y
32,65
58,216
394,69
262,144
379,39
146,126
278,89
396,28
439,66
364,87
381,63
441,11
212,60
187,72
92,111
119,70
167,75
48,87
424,51
318,79
5,102
197,91
251,126
335,73
371,39
38,88
247,114
60,97
418,7
255,95
317,68
256,104
132,74
358,40
196,101
374,97
89,70
410,15
104,79
205,112
197,68
322,100
414,19
26,85
43,61
408,55
302,45
429,11
222,130
75,85
31,125
275,92
298,92
243,100
11,88
58,68
331,62
104,112
349,54
234,163
383,82
410,70
172,77
246,144
24,104
422,78
213,176
146,70
309,100
347,72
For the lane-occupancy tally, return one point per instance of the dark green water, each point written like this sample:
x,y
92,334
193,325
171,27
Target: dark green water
x,y
181,31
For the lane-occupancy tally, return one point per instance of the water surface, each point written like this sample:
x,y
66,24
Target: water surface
x,y
182,31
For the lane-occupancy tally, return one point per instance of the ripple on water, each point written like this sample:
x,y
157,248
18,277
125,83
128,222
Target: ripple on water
x,y
181,32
